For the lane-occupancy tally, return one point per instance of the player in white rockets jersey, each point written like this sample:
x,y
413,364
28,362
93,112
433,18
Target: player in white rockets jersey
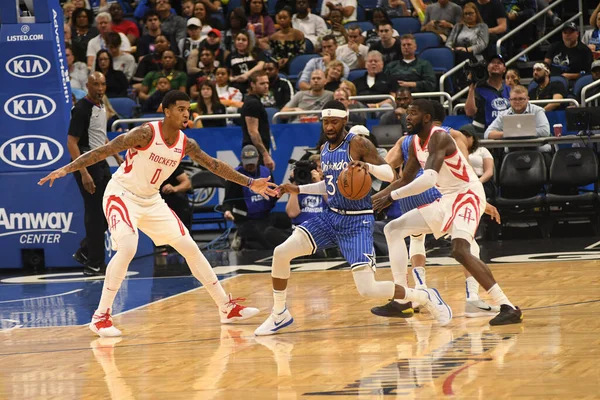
x,y
456,213
132,200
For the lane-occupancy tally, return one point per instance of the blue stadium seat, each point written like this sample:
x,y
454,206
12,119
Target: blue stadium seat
x,y
309,47
427,40
441,58
406,25
356,73
580,84
560,79
233,4
298,63
368,4
79,94
364,25
270,112
124,106
271,7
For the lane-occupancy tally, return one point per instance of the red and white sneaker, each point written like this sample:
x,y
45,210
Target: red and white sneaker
x,y
102,325
233,312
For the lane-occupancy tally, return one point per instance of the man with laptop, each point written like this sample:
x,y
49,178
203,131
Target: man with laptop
x,y
522,120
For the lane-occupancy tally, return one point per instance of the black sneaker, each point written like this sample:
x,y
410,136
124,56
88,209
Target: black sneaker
x,y
393,309
94,270
507,315
80,256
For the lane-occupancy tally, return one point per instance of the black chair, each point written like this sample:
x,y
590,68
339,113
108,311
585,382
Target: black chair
x,y
571,169
206,185
387,135
523,175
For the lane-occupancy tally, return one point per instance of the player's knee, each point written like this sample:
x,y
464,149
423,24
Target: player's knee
x,y
390,228
367,286
417,245
127,246
461,249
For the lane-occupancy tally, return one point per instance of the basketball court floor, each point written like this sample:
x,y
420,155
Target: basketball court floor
x,y
173,346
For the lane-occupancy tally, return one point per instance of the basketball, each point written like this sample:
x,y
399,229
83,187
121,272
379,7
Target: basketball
x,y
354,183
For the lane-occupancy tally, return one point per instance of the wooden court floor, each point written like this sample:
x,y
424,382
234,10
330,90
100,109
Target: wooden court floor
x,y
176,349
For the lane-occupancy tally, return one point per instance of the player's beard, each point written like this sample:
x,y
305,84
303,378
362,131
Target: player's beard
x,y
416,129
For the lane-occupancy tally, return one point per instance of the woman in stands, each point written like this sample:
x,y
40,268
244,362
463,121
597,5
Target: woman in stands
x,y
237,23
260,22
287,42
512,77
230,97
116,81
82,32
208,23
470,38
243,61
209,104
333,75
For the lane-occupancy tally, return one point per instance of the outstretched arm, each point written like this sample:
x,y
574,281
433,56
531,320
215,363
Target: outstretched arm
x,y
366,156
218,167
138,137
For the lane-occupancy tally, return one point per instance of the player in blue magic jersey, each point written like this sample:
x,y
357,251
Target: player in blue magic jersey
x,y
347,224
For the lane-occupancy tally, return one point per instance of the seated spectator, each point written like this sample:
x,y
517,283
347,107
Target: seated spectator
x,y
469,39
353,54
312,99
244,61
104,24
68,35
397,8
250,212
260,22
595,76
237,23
388,46
337,30
192,41
486,100
546,89
280,90
81,33
410,71
78,72
302,207
591,38
121,25
208,22
287,42
207,72
493,15
333,75
116,81
212,6
209,104
346,7
398,115
320,63
152,30
68,9
174,193
517,12
512,77
153,61
124,62
178,78
230,96
313,26
482,162
371,36
213,43
519,104
154,102
354,118
169,22
187,8
375,82
441,17
569,57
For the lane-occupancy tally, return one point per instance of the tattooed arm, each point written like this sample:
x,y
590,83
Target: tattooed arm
x,y
362,149
138,137
218,167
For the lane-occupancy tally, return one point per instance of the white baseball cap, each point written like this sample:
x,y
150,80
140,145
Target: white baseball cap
x,y
194,22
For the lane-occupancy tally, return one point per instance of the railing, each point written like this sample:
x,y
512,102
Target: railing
x,y
448,74
552,140
200,117
216,116
375,97
536,102
441,95
280,114
585,101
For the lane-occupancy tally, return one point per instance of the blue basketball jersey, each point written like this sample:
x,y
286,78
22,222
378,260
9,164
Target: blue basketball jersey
x,y
332,163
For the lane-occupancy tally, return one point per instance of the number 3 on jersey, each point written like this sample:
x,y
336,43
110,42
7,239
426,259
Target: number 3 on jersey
x,y
330,185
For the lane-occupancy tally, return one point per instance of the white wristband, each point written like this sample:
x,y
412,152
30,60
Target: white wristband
x,y
314,188
419,185
382,172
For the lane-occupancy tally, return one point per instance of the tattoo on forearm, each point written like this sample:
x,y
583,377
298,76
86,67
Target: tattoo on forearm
x,y
214,165
257,141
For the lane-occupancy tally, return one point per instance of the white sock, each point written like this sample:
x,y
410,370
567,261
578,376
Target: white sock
x,y
420,282
419,296
472,287
279,297
106,300
498,296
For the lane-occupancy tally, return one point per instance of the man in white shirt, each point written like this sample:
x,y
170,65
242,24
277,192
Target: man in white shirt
x,y
347,7
104,25
353,54
193,40
310,24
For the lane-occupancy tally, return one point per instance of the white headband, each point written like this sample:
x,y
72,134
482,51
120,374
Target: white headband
x,y
542,66
334,112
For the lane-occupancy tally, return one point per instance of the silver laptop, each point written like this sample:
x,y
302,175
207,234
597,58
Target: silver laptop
x,y
520,126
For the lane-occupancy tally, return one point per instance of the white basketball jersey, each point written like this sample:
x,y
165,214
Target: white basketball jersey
x,y
145,169
456,173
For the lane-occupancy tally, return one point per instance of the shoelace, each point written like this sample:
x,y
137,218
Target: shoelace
x,y
103,317
233,302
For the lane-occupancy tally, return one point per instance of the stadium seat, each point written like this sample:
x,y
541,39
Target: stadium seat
x,y
298,63
387,135
309,47
406,25
124,106
270,112
233,4
580,84
364,25
560,79
426,40
271,7
442,61
355,74
206,181
79,94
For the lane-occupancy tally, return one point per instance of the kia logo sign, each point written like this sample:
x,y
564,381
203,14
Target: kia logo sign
x,y
28,66
31,151
30,106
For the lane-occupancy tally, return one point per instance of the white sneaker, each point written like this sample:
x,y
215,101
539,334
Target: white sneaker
x,y
102,325
437,307
235,312
275,323
479,308
419,276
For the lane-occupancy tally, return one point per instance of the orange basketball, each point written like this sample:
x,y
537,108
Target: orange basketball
x,y
354,183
